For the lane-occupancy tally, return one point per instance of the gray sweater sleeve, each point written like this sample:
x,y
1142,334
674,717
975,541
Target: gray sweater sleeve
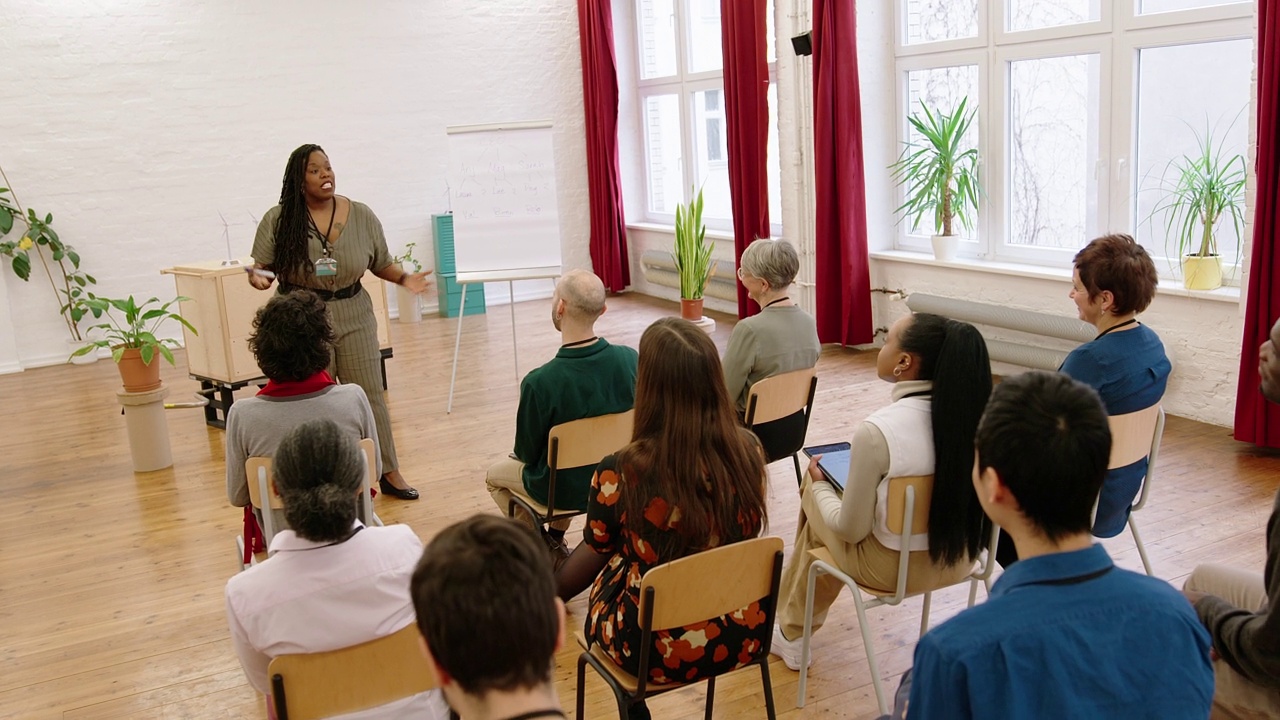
x,y
237,482
739,357
1250,641
853,515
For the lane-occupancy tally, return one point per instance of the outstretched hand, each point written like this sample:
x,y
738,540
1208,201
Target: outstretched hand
x,y
417,282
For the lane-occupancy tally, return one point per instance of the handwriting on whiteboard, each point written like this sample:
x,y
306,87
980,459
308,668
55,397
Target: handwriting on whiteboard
x,y
503,182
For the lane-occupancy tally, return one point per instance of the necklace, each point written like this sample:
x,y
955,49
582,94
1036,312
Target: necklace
x,y
324,238
1130,321
588,341
775,302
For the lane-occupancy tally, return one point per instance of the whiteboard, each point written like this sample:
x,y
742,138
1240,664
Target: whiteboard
x,y
502,188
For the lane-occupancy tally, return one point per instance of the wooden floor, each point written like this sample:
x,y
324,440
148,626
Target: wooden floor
x,y
111,581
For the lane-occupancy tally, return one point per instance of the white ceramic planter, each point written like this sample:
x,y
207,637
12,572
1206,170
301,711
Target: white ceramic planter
x,y
86,359
409,305
945,247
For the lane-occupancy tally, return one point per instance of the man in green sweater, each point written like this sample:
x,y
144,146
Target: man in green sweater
x,y
588,377
1233,604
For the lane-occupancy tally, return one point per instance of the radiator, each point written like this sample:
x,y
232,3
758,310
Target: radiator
x,y
1028,353
660,269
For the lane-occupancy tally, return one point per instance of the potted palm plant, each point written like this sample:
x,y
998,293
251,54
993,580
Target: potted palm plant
x,y
132,338
692,257
1196,193
407,301
939,175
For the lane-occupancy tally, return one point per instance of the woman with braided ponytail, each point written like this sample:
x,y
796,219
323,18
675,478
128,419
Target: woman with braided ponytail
x,y
330,262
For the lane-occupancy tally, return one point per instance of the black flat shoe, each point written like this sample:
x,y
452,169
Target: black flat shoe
x,y
395,492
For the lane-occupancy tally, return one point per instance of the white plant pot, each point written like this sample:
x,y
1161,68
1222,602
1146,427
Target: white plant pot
x,y
409,305
945,247
88,358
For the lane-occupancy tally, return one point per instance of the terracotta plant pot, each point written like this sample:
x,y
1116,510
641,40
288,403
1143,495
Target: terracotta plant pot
x,y
136,375
691,310
1201,272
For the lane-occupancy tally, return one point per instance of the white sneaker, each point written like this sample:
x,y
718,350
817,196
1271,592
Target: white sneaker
x,y
788,650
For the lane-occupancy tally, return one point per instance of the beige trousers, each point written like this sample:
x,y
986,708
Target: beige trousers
x,y
869,562
505,477
1235,697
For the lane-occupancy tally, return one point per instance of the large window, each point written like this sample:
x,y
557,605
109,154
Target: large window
x,y
681,87
1085,110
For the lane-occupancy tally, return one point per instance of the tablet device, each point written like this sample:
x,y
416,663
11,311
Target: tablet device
x,y
834,463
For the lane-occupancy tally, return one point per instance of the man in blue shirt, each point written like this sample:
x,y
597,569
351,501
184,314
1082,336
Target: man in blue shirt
x,y
1065,633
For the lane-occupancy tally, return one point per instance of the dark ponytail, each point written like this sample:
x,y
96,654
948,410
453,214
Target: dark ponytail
x,y
954,356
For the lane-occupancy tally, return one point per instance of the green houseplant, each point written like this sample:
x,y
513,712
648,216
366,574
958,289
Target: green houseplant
x,y
70,283
408,302
692,257
939,175
1196,192
130,334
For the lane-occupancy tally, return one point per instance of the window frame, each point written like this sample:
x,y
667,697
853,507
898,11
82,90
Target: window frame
x,y
1117,37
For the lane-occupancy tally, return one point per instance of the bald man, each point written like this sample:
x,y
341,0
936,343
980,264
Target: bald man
x,y
587,377
1233,604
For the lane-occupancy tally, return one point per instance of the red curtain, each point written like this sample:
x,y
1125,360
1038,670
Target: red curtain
x,y
843,284
1258,421
746,111
600,103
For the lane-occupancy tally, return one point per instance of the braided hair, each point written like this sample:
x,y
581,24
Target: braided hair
x,y
292,259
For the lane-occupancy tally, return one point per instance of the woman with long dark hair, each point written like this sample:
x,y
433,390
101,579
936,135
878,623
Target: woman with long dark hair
x,y
942,378
330,262
692,479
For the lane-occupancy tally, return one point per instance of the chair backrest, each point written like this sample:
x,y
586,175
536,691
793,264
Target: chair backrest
x,y
253,468
324,684
779,396
895,511
1132,435
711,583
587,441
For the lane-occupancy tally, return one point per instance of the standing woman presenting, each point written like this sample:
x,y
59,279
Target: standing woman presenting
x,y
324,242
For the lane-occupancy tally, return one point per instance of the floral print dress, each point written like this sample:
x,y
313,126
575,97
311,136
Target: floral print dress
x,y
679,655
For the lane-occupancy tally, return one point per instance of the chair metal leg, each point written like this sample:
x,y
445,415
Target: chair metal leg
x,y
870,649
1142,550
768,688
711,696
814,569
582,676
795,460
924,614
973,591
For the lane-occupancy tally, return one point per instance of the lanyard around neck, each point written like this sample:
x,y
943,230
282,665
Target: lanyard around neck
x,y
324,238
1130,321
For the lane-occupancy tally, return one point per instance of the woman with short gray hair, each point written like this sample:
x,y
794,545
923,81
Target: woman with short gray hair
x,y
779,339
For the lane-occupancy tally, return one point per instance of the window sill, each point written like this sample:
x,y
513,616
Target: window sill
x,y
1166,287
716,235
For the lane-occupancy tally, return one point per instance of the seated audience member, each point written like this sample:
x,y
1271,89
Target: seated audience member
x,y
781,337
1065,633
332,582
490,619
1238,606
588,377
292,341
942,377
692,479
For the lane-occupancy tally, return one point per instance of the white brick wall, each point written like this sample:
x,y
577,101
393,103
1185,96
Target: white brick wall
x,y
136,123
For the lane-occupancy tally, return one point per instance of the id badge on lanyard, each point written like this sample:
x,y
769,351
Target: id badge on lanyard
x,y
326,267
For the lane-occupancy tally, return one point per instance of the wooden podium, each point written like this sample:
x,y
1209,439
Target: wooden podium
x,y
221,309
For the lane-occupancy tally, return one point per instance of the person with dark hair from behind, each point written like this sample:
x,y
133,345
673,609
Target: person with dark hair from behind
x,y
1114,280
691,479
942,377
1065,633
490,620
331,582
292,341
1239,607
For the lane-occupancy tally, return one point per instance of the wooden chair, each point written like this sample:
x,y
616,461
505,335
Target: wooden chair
x,y
1134,436
778,410
262,485
324,684
690,590
575,444
907,514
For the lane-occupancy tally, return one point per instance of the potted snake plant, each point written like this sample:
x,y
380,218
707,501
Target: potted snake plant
x,y
692,257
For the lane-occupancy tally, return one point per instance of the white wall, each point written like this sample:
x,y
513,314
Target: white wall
x,y
135,122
